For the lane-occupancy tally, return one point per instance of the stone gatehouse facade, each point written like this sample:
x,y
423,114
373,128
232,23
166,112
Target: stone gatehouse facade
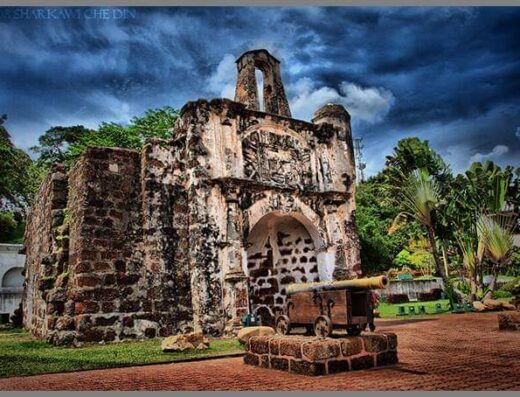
x,y
194,232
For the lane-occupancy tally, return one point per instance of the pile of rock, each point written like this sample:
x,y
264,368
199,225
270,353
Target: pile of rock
x,y
488,305
183,342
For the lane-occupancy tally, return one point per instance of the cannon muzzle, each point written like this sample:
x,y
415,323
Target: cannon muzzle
x,y
379,282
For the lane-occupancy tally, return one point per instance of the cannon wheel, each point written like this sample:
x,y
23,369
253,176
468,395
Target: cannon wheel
x,y
322,326
354,330
283,325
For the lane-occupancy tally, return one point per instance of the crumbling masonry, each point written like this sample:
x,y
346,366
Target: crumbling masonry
x,y
194,232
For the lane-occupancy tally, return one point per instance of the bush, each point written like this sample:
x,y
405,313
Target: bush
x,y
501,294
509,286
433,295
397,298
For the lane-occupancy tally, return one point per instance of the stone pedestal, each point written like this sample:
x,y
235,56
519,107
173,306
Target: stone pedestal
x,y
313,356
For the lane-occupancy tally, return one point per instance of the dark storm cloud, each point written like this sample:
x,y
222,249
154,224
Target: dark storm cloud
x,y
450,75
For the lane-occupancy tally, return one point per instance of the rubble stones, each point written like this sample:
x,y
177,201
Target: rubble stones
x,y
183,342
247,332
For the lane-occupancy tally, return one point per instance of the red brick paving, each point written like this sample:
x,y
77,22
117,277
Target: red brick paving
x,y
450,352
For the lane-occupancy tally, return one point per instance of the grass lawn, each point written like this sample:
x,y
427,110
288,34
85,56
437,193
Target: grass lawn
x,y
21,354
388,310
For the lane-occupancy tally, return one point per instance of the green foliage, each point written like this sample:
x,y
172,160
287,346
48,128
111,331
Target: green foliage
x,y
510,285
374,216
412,154
501,294
24,355
418,260
66,144
7,226
54,143
16,188
403,259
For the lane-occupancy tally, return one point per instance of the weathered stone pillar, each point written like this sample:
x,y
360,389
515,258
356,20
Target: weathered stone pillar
x,y
235,280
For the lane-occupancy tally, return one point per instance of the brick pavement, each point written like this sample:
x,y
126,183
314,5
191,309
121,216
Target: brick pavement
x,y
450,352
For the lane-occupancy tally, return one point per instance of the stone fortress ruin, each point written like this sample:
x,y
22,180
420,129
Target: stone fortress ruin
x,y
194,232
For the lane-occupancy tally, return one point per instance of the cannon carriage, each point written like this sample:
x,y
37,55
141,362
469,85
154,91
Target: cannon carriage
x,y
324,306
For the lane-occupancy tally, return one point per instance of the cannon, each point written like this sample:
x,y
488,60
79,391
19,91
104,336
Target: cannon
x,y
324,306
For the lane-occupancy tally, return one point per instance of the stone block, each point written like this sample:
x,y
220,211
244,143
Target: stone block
x,y
291,347
321,349
280,363
375,342
363,362
392,340
304,367
251,359
259,344
351,346
386,358
335,366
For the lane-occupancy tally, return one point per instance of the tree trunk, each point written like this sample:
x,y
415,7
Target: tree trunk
x,y
474,287
436,258
493,284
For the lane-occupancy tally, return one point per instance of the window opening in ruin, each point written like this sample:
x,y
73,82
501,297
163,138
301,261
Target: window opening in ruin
x,y
259,75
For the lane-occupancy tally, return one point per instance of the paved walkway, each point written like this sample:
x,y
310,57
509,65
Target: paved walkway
x,y
450,352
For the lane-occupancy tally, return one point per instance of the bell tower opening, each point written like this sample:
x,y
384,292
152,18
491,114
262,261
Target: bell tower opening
x,y
272,91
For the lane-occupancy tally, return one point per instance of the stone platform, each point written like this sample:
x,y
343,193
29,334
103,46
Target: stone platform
x,y
313,356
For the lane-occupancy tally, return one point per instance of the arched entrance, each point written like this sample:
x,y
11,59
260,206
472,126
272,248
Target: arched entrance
x,y
281,250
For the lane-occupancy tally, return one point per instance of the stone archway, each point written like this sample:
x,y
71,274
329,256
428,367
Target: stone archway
x,y
281,250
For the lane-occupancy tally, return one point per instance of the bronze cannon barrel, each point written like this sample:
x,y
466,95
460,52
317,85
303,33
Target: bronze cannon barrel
x,y
379,282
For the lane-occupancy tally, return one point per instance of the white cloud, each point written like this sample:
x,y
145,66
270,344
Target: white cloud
x,y
496,152
222,81
365,104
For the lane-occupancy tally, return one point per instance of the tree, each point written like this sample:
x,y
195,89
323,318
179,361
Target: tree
x,y
16,187
66,144
412,154
497,241
484,191
374,214
55,142
420,198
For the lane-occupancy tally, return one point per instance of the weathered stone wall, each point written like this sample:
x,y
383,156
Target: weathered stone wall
x,y
46,253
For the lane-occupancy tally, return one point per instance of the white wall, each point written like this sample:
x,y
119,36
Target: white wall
x,y
11,279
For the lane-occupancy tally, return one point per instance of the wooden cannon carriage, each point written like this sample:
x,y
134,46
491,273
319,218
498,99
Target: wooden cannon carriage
x,y
324,306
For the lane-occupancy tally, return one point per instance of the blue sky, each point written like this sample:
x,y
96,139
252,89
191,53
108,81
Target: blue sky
x,y
449,75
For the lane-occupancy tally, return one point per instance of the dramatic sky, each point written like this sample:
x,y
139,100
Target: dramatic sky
x,y
449,75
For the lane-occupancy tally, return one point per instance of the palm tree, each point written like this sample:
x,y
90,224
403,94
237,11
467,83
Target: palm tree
x,y
419,198
496,235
